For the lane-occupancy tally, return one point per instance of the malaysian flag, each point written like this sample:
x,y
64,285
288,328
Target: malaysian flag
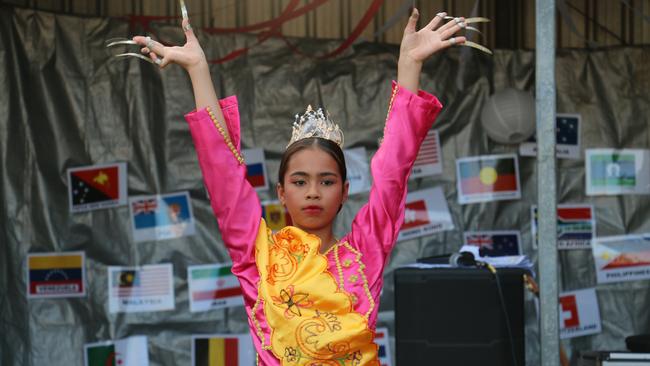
x,y
146,288
149,281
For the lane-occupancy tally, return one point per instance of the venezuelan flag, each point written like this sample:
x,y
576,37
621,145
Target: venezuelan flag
x,y
55,274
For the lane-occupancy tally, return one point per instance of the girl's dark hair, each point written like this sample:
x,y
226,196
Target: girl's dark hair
x,y
328,146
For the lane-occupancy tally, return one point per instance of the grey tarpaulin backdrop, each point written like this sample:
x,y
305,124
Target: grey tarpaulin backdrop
x,y
64,105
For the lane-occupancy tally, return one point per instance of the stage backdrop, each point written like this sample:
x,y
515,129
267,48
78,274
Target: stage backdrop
x,y
65,104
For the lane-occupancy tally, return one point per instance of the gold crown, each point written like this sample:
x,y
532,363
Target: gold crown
x,y
315,124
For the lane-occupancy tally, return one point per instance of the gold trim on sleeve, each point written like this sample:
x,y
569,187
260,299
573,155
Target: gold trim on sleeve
x,y
226,137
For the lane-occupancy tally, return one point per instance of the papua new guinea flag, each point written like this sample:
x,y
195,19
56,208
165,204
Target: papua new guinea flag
x,y
488,176
97,186
94,185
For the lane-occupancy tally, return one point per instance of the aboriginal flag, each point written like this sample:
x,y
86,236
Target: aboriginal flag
x,y
488,176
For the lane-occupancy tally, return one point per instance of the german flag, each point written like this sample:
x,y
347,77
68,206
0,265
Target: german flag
x,y
488,176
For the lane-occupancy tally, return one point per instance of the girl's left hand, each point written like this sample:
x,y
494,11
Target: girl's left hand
x,y
417,46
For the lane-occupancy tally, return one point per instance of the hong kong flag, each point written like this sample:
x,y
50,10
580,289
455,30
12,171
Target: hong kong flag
x,y
416,214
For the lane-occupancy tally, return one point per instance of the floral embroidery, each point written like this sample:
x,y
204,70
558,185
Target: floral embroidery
x,y
293,301
347,263
291,354
353,278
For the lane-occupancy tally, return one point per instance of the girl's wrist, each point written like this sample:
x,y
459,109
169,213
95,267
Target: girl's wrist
x,y
199,69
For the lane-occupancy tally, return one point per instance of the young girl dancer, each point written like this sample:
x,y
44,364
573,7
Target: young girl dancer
x,y
311,298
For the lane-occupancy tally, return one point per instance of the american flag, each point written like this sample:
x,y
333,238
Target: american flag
x,y
428,153
145,206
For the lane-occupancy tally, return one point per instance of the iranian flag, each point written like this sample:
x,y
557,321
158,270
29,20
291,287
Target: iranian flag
x,y
213,287
130,351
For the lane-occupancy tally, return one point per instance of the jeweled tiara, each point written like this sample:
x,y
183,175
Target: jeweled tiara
x,y
315,124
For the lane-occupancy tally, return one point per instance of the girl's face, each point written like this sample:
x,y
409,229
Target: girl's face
x,y
313,189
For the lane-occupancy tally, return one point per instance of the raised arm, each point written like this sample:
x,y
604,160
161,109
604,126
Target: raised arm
x,y
410,116
216,134
190,57
417,46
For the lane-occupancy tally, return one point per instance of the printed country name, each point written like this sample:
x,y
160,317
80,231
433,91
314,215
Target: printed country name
x,y
568,244
432,228
57,289
579,329
140,302
93,205
630,273
173,229
560,149
492,195
218,303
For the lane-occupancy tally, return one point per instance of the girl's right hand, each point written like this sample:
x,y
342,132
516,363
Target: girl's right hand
x,y
190,56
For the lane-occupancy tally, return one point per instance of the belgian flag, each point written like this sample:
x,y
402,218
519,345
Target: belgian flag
x,y
216,352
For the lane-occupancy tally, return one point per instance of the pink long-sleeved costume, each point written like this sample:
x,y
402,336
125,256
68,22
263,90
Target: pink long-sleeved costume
x,y
357,261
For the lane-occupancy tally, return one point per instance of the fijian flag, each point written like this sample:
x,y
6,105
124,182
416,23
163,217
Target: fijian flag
x,y
56,275
97,186
130,351
161,217
256,168
494,243
223,350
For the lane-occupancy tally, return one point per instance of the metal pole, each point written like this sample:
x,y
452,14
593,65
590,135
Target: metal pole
x,y
546,182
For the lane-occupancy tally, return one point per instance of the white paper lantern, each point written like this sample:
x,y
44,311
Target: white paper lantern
x,y
508,116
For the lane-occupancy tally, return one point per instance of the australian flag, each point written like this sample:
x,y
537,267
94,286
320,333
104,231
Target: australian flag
x,y
494,245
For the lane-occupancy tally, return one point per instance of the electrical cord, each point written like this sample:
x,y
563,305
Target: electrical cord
x,y
503,307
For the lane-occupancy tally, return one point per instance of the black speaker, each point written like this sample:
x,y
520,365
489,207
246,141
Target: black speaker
x,y
454,317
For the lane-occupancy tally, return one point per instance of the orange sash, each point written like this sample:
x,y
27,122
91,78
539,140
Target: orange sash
x,y
312,322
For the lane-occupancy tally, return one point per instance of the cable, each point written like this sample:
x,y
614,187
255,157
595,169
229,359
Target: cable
x,y
503,307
